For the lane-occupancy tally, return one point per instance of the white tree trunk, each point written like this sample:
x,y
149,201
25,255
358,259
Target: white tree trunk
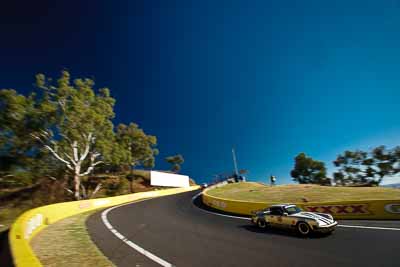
x,y
74,160
77,182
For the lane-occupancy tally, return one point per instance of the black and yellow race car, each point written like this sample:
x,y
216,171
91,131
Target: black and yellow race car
x,y
289,216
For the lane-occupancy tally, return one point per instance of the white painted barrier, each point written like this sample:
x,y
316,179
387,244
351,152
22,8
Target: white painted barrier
x,y
168,179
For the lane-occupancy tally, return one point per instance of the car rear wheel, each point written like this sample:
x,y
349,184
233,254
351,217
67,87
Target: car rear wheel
x,y
261,224
303,228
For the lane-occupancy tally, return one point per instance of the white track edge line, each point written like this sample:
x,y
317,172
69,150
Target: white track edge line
x,y
136,247
339,225
223,215
369,227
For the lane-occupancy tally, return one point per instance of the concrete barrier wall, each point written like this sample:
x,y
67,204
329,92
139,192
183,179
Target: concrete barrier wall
x,y
33,221
168,179
370,209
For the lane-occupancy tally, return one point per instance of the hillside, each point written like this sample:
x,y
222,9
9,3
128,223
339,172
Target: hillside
x,y
258,192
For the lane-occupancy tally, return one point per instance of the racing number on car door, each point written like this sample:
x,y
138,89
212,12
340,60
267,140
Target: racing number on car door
x,y
276,220
275,217
279,221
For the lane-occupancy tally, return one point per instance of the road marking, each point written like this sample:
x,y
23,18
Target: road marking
x,y
195,196
369,227
223,215
339,225
136,247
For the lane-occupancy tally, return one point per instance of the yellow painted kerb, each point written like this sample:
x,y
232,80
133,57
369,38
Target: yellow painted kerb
x,y
33,221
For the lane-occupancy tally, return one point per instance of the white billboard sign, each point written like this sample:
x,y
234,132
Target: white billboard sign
x,y
168,179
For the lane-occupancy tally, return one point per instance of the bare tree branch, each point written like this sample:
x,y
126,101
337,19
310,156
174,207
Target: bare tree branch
x,y
95,155
97,163
62,104
90,169
58,157
70,143
73,161
70,158
46,134
66,189
98,187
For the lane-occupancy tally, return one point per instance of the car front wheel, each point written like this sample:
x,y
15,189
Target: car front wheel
x,y
261,224
303,228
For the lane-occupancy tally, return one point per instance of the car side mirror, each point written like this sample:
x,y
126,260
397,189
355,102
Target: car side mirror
x,y
285,214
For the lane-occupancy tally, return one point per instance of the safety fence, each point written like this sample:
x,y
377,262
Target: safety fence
x,y
368,209
35,220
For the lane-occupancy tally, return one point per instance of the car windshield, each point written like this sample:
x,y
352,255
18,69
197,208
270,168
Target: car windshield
x,y
292,209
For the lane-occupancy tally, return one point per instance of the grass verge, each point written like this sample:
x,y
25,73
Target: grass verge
x,y
67,243
257,192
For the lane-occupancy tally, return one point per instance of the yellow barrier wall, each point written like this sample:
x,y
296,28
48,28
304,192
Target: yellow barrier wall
x,y
370,209
33,221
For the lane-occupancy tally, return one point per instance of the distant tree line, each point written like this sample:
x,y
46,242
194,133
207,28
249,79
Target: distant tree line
x,y
65,129
363,168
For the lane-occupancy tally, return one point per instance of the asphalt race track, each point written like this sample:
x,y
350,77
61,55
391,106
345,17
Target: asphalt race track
x,y
180,233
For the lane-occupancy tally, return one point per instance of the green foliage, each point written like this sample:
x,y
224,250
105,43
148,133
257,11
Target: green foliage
x,y
19,117
115,186
16,178
81,136
366,168
176,161
309,171
135,147
67,126
79,110
13,117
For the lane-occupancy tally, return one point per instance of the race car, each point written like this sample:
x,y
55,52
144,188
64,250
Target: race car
x,y
203,185
289,216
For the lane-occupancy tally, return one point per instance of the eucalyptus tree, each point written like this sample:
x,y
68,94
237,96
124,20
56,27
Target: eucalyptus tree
x,y
176,161
366,167
309,171
141,147
20,116
67,124
81,136
135,149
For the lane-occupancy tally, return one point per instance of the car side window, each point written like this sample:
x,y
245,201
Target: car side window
x,y
276,211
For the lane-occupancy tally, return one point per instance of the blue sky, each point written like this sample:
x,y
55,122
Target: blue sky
x,y
270,78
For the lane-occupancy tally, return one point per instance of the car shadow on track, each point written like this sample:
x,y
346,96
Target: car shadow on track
x,y
281,232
